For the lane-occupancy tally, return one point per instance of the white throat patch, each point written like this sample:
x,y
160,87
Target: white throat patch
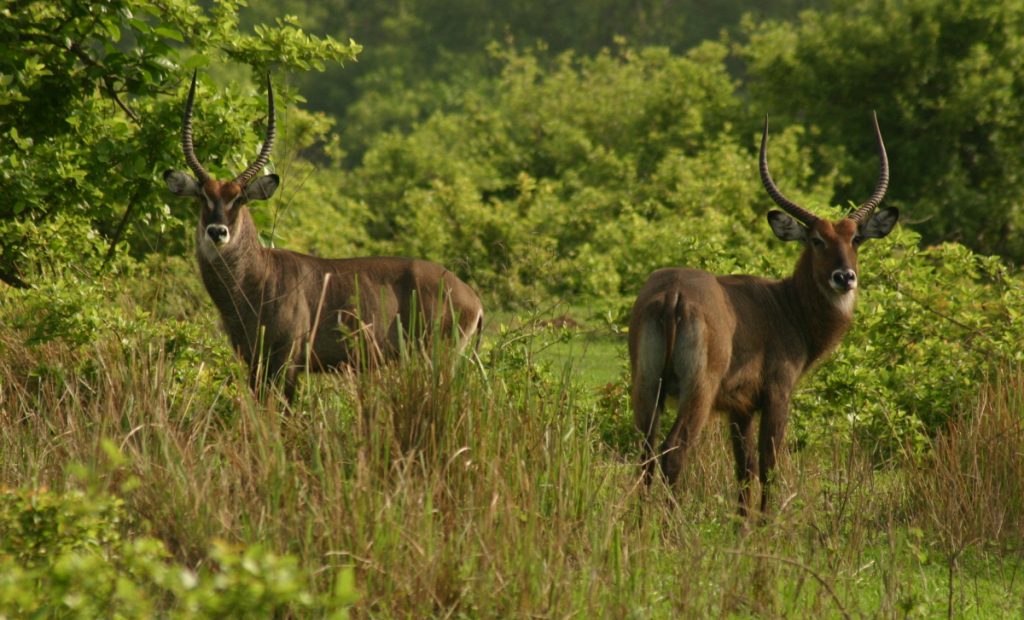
x,y
845,302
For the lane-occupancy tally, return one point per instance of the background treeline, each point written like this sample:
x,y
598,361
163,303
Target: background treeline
x,y
945,79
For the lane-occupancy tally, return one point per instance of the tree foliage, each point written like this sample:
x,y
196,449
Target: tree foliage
x,y
945,78
424,54
90,112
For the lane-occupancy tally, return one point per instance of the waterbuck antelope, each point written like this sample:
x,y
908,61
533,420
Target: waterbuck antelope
x,y
738,344
285,311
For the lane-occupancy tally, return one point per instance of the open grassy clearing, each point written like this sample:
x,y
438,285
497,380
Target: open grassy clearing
x,y
570,338
507,490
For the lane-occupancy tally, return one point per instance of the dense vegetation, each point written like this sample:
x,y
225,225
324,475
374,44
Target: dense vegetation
x,y
552,164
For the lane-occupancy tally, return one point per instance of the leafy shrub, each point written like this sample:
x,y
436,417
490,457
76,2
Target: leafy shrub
x,y
152,316
66,555
525,183
932,323
87,126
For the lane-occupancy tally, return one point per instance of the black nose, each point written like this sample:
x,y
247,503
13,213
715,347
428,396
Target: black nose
x,y
218,233
844,279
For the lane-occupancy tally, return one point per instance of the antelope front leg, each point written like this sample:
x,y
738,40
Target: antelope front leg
x,y
741,427
265,370
770,443
291,379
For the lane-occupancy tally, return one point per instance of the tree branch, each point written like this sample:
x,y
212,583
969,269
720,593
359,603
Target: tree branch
x,y
13,280
121,227
108,84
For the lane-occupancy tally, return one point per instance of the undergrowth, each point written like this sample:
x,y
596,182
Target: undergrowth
x,y
481,488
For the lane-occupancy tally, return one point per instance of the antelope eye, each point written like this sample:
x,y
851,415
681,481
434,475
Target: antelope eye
x,y
857,240
818,242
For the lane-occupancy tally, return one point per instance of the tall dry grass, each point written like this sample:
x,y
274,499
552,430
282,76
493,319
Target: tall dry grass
x,y
459,489
969,493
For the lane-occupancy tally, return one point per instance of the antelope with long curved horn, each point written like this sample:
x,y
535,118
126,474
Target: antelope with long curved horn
x,y
285,311
739,344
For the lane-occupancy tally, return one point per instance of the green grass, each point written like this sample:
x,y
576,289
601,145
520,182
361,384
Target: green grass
x,y
511,488
571,339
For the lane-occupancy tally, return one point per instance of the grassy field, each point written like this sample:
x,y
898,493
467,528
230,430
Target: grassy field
x,y
510,488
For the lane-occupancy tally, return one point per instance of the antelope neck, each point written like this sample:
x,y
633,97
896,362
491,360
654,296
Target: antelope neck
x,y
817,313
240,259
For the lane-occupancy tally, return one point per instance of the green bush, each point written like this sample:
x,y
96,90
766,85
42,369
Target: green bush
x,y
75,555
151,316
87,125
932,323
526,181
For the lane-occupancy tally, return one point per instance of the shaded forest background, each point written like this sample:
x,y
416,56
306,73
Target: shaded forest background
x,y
945,80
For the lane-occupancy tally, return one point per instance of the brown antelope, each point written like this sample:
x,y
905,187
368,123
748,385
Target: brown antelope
x,y
285,311
738,344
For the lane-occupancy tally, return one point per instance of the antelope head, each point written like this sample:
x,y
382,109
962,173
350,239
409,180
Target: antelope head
x,y
831,247
222,202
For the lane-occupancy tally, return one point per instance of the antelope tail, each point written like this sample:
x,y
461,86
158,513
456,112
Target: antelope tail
x,y
671,317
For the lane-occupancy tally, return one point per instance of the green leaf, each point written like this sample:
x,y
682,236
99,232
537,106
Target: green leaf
x,y
113,28
196,61
169,33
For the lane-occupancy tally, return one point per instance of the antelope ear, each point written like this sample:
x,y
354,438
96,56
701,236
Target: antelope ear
x,y
181,184
880,224
786,227
262,188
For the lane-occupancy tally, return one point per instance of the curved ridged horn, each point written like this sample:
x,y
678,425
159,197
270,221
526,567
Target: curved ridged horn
x,y
787,205
863,212
268,144
186,136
